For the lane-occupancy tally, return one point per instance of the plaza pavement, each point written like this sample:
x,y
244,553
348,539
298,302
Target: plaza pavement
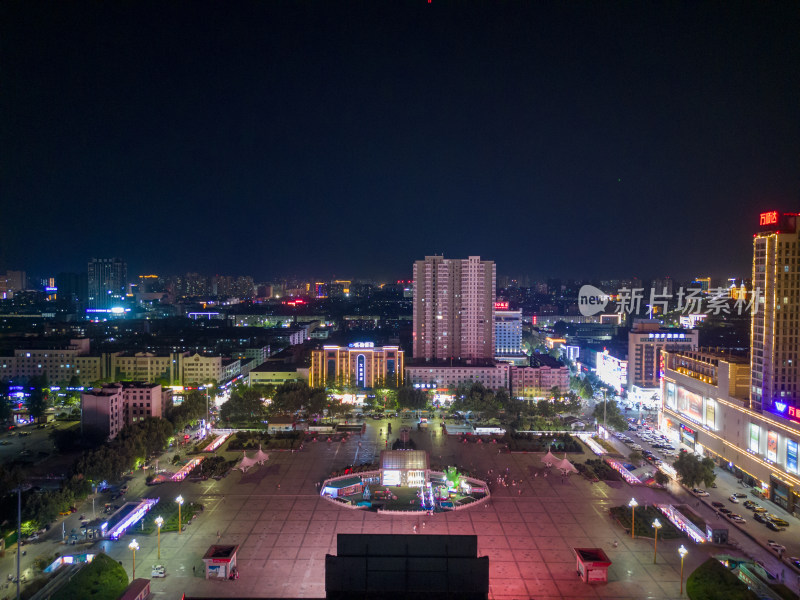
x,y
285,529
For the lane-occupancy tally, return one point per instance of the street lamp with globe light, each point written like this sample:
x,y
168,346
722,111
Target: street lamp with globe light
x,y
159,523
656,525
179,500
134,546
633,504
683,552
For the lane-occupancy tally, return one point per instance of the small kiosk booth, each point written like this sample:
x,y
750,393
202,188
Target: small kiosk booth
x,y
592,565
220,561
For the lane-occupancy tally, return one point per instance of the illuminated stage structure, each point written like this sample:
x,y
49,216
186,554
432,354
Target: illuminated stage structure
x,y
407,468
130,514
187,468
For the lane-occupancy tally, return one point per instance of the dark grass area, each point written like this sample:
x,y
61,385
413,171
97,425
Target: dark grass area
x,y
644,522
712,581
102,579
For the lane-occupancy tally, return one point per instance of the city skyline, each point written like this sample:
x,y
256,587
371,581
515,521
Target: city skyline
x,y
295,138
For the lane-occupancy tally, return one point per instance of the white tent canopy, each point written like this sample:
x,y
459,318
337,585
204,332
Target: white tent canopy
x,y
549,459
260,457
566,466
246,463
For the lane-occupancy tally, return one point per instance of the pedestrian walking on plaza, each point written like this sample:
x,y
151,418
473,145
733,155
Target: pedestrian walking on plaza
x,y
194,570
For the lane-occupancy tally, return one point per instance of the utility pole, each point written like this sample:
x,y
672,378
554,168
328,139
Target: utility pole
x,y
19,533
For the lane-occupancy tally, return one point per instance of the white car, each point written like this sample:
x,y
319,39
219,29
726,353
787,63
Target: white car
x,y
776,546
158,571
699,492
734,499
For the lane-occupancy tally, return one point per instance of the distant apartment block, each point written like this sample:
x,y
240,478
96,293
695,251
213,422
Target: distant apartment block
x,y
453,309
108,280
102,411
107,408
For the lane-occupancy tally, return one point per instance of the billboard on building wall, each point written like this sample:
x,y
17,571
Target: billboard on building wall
x,y
772,446
754,433
671,396
710,413
791,456
690,404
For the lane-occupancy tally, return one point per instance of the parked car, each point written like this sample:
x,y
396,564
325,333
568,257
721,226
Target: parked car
x,y
794,561
774,527
778,522
158,571
717,504
760,509
749,504
738,495
759,517
699,492
738,519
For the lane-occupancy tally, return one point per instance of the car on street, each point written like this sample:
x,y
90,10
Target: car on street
x,y
725,511
738,495
699,492
733,499
158,571
794,561
774,527
760,509
717,504
759,518
776,546
749,504
778,521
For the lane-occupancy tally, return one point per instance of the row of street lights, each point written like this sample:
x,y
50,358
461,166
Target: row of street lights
x,y
134,545
656,525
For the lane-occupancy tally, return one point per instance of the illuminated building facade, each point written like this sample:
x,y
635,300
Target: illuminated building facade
x,y
108,282
645,342
507,331
705,398
775,324
453,309
361,365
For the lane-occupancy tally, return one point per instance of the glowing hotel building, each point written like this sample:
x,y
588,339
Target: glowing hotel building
x,y
361,365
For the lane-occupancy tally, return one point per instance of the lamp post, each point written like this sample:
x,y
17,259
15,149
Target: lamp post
x,y
633,504
179,500
159,523
134,546
656,525
683,552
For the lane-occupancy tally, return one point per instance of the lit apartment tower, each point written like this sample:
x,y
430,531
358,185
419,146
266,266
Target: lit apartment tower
x,y
775,323
108,282
454,308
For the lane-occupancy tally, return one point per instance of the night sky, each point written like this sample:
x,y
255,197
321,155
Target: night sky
x,y
565,139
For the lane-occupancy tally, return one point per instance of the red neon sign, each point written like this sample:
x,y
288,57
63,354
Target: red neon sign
x,y
768,218
501,305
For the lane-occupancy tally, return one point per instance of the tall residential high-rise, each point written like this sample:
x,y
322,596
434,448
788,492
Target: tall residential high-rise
x,y
774,370
108,282
454,308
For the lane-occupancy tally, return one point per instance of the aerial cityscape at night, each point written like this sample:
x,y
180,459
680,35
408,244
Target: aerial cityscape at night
x,y
427,299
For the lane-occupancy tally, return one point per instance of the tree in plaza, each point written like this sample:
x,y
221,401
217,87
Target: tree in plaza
x,y
37,403
411,397
692,470
661,477
613,416
291,397
244,404
387,395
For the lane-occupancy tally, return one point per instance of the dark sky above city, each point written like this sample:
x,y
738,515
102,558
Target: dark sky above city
x,y
561,139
